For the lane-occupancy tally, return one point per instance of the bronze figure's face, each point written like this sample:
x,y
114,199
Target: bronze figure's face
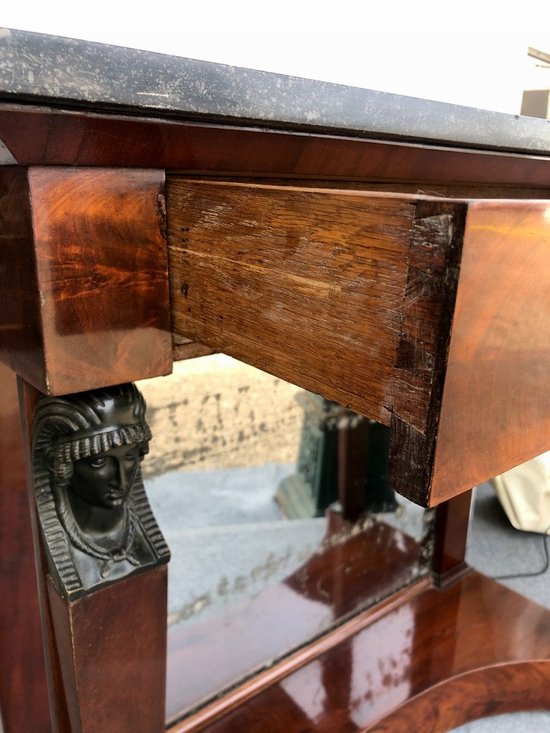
x,y
94,515
105,479
105,476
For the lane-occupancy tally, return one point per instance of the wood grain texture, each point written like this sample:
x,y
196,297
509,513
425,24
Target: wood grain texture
x,y
347,294
506,688
102,273
427,311
28,396
496,403
23,673
300,283
272,675
354,296
44,136
98,285
413,666
21,340
112,653
416,188
450,533
183,348
351,570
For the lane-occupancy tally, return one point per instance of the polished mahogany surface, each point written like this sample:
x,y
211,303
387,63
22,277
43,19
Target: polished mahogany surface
x,y
444,655
352,570
111,646
87,269
28,396
504,688
21,341
495,412
450,533
21,650
45,136
421,658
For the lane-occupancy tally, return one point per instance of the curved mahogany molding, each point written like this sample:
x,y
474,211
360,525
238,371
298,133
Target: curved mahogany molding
x,y
506,688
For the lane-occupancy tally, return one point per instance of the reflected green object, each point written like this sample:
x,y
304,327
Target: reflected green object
x,y
314,486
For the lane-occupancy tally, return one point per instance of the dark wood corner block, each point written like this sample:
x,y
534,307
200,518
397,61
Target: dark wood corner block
x,y
421,313
83,269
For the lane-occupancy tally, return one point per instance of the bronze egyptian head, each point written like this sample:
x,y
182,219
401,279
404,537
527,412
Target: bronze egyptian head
x,y
95,517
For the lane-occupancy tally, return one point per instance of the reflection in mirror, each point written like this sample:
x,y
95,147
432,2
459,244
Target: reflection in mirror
x,y
281,525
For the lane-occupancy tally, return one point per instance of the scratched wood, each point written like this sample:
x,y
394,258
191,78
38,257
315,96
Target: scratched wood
x,y
353,295
304,284
344,293
427,312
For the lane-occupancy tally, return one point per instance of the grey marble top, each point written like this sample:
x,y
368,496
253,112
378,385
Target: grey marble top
x,y
71,73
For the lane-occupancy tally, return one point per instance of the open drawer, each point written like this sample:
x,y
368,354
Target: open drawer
x,y
429,315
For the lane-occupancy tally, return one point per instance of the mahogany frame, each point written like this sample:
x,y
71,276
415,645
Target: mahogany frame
x,y
472,647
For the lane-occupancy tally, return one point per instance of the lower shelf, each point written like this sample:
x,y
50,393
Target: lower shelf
x,y
426,660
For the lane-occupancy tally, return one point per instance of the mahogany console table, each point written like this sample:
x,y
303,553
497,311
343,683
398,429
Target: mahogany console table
x,y
390,254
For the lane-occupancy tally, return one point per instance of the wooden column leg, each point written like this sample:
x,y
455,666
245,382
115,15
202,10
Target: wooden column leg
x,y
450,534
363,447
112,655
23,688
104,616
353,440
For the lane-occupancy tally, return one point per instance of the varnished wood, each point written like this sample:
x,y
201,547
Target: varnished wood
x,y
300,658
353,456
496,403
413,665
352,296
58,704
343,576
347,294
506,688
110,640
450,382
21,648
112,654
91,245
450,532
45,136
21,341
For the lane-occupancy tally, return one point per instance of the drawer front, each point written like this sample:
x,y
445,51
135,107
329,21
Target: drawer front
x,y
347,294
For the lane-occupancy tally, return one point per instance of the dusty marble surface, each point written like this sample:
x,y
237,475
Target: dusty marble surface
x,y
37,67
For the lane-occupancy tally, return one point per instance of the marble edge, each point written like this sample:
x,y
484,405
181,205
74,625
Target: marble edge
x,y
61,71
